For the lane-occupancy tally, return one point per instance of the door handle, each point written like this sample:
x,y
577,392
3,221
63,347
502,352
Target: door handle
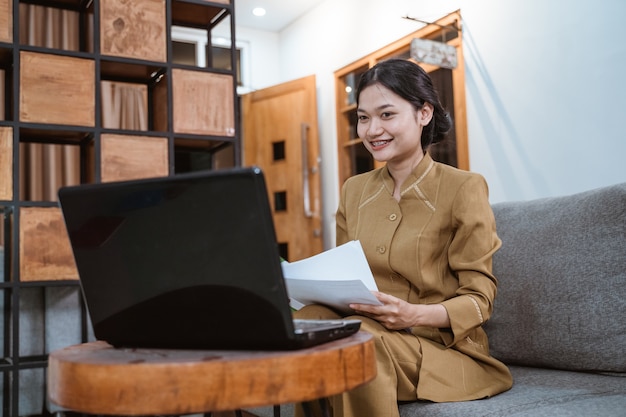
x,y
306,196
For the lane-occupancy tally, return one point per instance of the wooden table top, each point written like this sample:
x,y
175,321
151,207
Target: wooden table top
x,y
97,378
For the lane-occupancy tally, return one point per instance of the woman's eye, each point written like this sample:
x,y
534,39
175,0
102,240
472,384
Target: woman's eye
x,y
386,115
362,118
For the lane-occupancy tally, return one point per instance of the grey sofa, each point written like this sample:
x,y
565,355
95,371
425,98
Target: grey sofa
x,y
560,314
559,319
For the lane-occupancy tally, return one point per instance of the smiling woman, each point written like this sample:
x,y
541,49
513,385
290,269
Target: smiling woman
x,y
399,116
391,128
428,233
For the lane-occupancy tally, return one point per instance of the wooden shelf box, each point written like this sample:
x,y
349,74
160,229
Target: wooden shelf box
x,y
133,29
133,157
6,163
6,21
57,89
211,111
45,251
151,79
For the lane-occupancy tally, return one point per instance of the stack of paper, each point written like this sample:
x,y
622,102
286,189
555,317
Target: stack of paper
x,y
336,278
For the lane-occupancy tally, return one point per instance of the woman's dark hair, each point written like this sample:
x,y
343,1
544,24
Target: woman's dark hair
x,y
412,83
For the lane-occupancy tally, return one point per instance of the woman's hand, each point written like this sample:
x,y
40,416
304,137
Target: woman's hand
x,y
397,314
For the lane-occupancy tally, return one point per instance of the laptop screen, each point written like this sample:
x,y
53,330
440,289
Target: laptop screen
x,y
178,255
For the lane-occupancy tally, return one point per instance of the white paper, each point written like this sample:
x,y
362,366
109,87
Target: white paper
x,y
336,277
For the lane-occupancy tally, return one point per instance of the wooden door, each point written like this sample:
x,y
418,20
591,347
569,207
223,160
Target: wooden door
x,y
280,136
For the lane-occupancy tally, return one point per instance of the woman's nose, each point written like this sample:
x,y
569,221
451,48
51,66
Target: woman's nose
x,y
374,128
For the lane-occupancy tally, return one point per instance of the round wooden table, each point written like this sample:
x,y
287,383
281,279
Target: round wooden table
x,y
97,378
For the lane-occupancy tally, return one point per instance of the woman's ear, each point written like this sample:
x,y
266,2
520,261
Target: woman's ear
x,y
426,113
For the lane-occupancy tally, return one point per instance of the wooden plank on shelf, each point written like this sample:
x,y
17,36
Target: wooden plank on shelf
x,y
6,163
45,251
133,29
211,112
133,157
6,21
57,89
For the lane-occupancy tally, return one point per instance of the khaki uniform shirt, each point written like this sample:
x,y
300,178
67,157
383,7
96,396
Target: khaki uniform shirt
x,y
434,246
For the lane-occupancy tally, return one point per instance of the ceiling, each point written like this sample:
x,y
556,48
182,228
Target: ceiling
x,y
280,13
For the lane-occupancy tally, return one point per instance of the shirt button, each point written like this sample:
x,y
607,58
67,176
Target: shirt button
x,y
393,216
381,249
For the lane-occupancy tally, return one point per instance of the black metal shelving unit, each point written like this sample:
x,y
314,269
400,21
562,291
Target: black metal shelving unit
x,y
29,308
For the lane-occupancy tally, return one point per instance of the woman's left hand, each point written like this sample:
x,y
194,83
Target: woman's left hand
x,y
397,314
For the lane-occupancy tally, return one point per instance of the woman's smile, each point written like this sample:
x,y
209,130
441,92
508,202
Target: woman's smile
x,y
380,143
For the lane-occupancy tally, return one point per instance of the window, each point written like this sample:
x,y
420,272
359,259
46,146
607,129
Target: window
x,y
189,47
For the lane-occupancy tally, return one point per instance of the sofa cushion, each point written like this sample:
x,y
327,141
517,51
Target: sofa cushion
x,y
538,393
561,299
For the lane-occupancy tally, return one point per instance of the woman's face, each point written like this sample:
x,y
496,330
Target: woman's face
x,y
390,127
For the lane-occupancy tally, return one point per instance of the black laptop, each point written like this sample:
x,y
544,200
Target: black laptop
x,y
187,261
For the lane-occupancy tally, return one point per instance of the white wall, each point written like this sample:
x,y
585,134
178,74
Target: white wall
x,y
545,85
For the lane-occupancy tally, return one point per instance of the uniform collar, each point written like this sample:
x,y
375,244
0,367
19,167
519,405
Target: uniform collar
x,y
417,176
